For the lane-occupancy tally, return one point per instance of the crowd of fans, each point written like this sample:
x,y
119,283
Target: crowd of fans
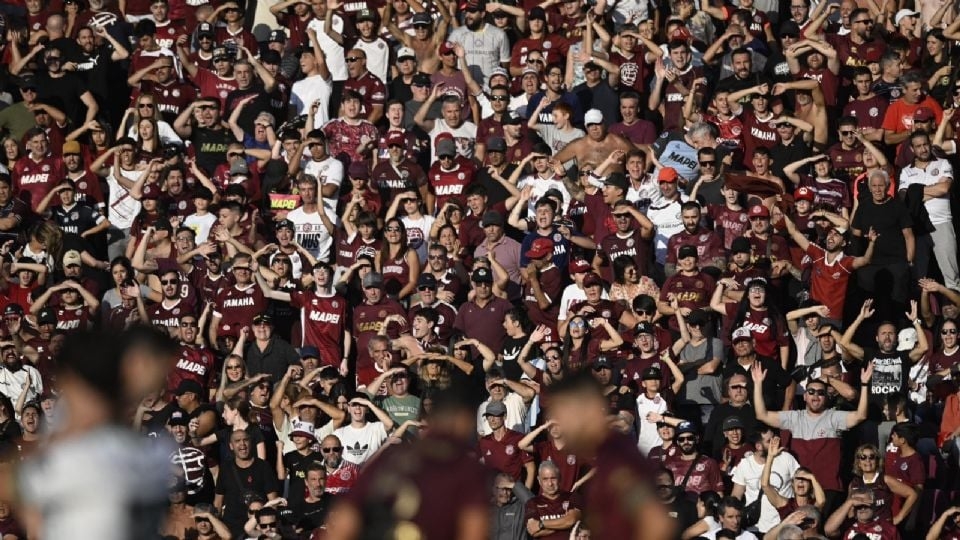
x,y
559,269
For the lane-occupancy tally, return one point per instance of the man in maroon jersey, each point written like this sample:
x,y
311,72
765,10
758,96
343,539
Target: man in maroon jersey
x,y
866,106
674,83
216,83
370,88
236,306
552,513
763,242
36,173
708,244
631,239
368,319
500,449
399,173
427,289
170,95
450,174
166,30
866,522
482,317
542,285
620,498
690,286
324,317
693,471
167,312
76,309
757,117
194,361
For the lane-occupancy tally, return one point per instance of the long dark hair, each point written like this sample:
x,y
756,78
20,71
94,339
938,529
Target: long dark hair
x,y
773,312
581,359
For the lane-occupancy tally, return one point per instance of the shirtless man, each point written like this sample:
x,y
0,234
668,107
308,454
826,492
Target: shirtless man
x,y
810,106
427,35
596,145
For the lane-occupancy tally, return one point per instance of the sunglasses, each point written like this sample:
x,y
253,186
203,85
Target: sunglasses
x,y
948,331
859,507
535,61
392,229
499,98
207,107
554,357
585,173
334,449
271,525
352,59
686,439
866,457
708,163
815,392
145,105
738,387
234,366
234,154
445,157
170,281
188,324
578,324
847,133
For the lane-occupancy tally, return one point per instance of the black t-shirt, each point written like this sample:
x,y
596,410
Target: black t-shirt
x,y
891,372
223,437
233,482
773,386
210,146
511,352
296,465
63,93
309,516
888,219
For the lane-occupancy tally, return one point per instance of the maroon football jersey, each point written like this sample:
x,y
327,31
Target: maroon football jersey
x,y
631,245
167,314
323,320
542,508
447,185
236,308
193,363
504,455
728,223
71,320
568,462
32,180
212,85
704,473
367,320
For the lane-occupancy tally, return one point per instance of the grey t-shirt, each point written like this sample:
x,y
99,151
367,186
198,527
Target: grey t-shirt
x,y
701,389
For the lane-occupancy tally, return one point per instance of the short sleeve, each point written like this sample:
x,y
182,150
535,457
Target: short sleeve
x,y
789,419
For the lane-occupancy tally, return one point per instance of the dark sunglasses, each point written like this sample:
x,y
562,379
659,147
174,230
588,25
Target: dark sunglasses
x,y
686,439
815,392
866,456
847,133
352,59
329,449
145,105
170,281
188,324
948,331
738,387
234,154
708,163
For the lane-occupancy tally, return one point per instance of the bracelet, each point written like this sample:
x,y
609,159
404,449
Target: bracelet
x,y
916,321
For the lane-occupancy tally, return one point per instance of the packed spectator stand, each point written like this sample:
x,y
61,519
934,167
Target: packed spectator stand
x,y
564,269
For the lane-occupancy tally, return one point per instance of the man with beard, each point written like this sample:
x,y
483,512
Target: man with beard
x,y
189,461
595,146
816,430
87,184
448,277
56,84
244,473
554,93
399,173
708,243
341,474
693,471
485,45
325,318
194,361
311,511
935,176
740,61
452,123
831,268
506,516
620,498
746,477
95,63
890,364
17,377
167,312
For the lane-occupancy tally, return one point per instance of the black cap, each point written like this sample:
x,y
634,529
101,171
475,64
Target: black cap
x,y
482,275
421,79
651,374
687,251
602,362
277,36
178,417
47,316
27,81
427,280
740,245
262,318
205,29
285,224
538,14
13,309
645,328
202,192
271,57
189,385
732,422
790,28
496,144
617,180
511,120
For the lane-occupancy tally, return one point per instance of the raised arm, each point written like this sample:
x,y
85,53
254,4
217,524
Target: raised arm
x,y
759,404
851,348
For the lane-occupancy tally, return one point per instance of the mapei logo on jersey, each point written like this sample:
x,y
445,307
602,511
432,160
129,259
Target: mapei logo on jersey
x,y
324,317
34,178
191,366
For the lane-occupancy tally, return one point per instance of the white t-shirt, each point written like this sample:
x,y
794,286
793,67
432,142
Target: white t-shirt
x,y
516,418
667,221
310,232
649,437
540,187
327,172
938,208
418,234
304,92
201,225
121,207
465,137
359,444
747,473
378,57
335,58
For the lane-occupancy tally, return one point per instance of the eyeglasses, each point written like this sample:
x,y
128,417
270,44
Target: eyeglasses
x,y
708,163
867,22
499,98
426,288
392,229
271,525
352,59
686,439
436,257
577,324
201,520
145,105
815,392
170,281
738,387
188,324
948,331
866,457
847,133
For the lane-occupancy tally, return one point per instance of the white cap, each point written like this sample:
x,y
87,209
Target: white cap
x,y
593,116
741,333
907,339
405,52
904,13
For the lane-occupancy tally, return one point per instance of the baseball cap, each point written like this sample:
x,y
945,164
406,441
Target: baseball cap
x,y
202,192
511,120
651,374
220,52
758,211
923,114
491,217
271,57
422,19
277,36
47,316
13,309
178,418
71,147
304,430
685,427
593,116
496,144
790,29
481,275
365,15
537,14
668,174
446,147
262,318
540,248
72,258
372,280
358,170
617,180
309,351
446,48
239,167
396,138
903,14
285,224
421,79
732,422
687,251
740,334
427,280
592,280
189,385
495,408
645,328
907,339
577,266
804,193
404,53
740,245
206,29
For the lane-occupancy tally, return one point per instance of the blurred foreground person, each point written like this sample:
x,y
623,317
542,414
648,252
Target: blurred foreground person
x,y
95,478
422,490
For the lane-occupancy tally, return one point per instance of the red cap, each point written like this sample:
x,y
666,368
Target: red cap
x,y
804,194
759,211
541,247
446,47
668,174
578,266
681,33
442,136
396,137
923,114
592,279
151,191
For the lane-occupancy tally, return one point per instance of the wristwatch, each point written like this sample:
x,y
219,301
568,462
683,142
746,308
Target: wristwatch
x,y
540,524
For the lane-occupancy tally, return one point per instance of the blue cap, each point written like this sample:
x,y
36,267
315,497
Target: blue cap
x,y
309,351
